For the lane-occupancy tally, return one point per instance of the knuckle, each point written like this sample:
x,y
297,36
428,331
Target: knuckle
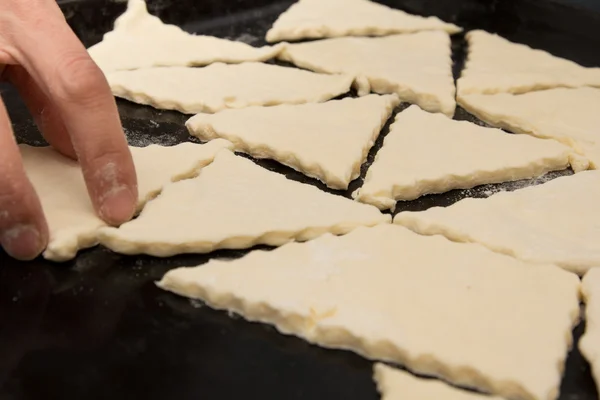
x,y
14,201
80,79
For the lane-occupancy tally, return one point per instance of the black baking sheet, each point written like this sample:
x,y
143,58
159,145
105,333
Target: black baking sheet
x,y
98,328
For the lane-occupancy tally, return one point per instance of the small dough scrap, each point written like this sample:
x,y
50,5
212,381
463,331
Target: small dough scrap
x,y
394,384
568,115
141,40
556,222
496,65
316,19
235,204
328,141
428,153
457,311
589,344
417,67
59,183
220,86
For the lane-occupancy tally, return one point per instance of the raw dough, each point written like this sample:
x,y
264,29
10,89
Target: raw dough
x,y
589,344
568,115
429,153
235,204
328,141
60,186
314,19
220,86
556,222
141,40
458,311
394,384
496,65
417,67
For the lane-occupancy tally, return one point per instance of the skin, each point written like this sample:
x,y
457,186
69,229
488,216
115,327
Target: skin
x,y
70,100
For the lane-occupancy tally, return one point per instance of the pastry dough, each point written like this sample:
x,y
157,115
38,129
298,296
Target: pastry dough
x,y
458,311
235,204
496,65
394,384
556,222
141,40
417,67
567,115
314,19
429,153
72,222
589,343
220,86
328,141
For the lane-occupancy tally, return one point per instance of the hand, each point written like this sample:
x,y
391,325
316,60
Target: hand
x,y
71,102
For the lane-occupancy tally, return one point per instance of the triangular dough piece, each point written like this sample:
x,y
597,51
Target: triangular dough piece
x,y
417,67
428,153
60,186
590,341
328,141
458,311
220,86
315,19
496,65
394,384
235,204
568,115
141,40
556,222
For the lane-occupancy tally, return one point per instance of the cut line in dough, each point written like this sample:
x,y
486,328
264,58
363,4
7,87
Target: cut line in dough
x,y
141,40
235,204
395,384
496,65
453,310
328,141
556,222
221,86
567,115
71,218
589,344
316,19
417,67
428,153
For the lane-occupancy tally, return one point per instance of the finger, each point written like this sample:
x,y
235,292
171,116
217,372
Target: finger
x,y
78,89
23,229
45,114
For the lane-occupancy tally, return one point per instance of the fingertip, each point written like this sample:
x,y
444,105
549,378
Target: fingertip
x,y
24,242
118,205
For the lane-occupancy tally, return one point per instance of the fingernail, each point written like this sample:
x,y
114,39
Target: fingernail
x,y
118,206
22,242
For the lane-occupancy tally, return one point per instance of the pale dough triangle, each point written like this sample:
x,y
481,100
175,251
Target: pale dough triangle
x,y
328,141
236,204
314,19
428,153
394,384
496,65
417,67
58,181
220,86
458,311
589,343
568,115
141,40
556,222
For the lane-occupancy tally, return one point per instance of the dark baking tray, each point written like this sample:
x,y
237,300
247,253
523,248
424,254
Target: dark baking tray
x,y
98,328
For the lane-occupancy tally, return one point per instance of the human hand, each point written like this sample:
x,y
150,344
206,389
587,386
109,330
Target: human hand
x,y
71,102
